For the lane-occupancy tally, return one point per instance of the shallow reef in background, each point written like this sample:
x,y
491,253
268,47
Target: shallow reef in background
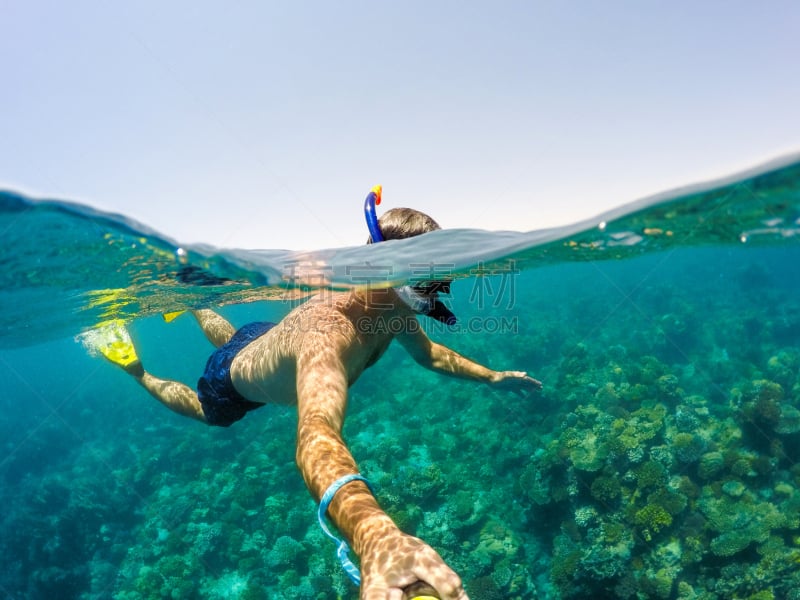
x,y
659,462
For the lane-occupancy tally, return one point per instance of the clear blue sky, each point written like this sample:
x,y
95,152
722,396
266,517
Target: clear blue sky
x,y
263,124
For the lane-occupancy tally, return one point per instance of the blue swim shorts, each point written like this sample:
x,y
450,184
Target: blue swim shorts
x,y
222,404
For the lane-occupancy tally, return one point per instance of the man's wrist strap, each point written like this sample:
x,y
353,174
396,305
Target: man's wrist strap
x,y
342,549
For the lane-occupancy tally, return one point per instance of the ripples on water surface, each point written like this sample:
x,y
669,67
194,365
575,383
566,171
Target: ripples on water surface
x,y
660,461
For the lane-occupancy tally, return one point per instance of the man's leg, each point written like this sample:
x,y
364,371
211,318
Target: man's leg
x,y
218,331
113,341
174,395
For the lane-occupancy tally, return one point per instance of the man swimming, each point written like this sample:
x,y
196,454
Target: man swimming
x,y
311,358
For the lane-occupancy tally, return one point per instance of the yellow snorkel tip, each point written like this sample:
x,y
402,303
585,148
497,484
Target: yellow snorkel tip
x,y
377,190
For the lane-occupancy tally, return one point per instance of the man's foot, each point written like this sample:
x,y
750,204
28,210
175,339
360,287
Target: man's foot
x,y
136,369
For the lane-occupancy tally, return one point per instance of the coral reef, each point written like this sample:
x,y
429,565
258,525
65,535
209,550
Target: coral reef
x,y
658,501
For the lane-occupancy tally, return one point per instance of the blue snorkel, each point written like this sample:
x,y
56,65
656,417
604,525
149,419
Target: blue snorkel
x,y
372,199
421,299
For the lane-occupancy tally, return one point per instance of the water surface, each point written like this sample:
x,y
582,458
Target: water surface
x,y
660,461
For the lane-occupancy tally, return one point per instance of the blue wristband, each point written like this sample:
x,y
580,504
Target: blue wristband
x,y
342,549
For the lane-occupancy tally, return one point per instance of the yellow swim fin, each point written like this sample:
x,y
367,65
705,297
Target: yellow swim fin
x,y
112,340
120,353
169,317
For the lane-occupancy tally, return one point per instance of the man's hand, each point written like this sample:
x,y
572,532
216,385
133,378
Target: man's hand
x,y
392,563
515,381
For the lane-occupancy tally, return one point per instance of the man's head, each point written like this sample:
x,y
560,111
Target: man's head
x,y
401,223
422,296
397,224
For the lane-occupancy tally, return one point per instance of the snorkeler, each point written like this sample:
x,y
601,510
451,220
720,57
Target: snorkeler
x,y
311,358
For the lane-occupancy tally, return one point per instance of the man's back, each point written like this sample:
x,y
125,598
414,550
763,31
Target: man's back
x,y
347,332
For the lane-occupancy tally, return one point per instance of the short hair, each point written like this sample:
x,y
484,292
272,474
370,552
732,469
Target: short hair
x,y
401,223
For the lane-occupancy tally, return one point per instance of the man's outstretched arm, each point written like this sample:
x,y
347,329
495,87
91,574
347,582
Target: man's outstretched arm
x,y
442,359
390,559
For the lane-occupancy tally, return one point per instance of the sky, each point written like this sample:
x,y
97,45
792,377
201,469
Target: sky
x,y
258,124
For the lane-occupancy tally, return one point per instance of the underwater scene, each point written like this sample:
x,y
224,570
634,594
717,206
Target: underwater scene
x,y
660,460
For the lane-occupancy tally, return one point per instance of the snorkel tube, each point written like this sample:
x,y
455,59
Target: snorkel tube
x,y
372,199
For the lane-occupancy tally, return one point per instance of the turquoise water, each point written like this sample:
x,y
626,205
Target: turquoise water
x,y
660,461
